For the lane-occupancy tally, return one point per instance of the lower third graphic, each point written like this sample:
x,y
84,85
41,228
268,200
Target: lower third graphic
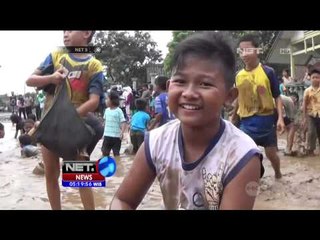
x,y
87,173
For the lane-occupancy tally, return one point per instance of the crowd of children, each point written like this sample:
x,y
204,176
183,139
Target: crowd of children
x,y
300,116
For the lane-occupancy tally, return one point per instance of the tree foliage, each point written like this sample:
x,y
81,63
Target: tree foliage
x,y
126,56
265,38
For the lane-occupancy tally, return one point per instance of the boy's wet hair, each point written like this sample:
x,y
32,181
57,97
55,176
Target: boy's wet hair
x,y
286,70
280,79
213,46
141,104
28,121
1,127
15,118
161,81
32,116
315,68
114,98
250,37
25,139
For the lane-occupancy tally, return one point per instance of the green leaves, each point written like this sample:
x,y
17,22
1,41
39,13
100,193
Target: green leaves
x,y
126,55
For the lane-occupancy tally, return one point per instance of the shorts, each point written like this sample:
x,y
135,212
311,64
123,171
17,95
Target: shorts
x,y
137,138
111,143
264,139
92,121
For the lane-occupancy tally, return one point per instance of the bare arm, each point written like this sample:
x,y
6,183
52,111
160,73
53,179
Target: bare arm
x,y
89,106
233,117
280,122
155,122
135,185
16,134
304,110
123,129
241,192
36,80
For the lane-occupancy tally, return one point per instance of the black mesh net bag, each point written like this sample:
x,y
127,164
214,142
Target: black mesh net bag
x,y
61,129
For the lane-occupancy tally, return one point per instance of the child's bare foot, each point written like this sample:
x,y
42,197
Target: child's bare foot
x,y
290,153
310,153
278,175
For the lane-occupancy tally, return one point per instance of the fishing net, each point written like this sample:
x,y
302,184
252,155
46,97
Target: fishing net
x,y
61,129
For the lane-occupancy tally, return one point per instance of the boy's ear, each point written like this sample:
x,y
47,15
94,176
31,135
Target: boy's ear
x,y
232,95
87,34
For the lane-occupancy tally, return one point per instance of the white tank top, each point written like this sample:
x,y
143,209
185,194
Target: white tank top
x,y
197,185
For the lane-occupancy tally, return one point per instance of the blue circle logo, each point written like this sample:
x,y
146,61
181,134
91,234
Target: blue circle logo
x,y
107,166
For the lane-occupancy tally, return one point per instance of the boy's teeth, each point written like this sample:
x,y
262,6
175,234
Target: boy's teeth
x,y
190,107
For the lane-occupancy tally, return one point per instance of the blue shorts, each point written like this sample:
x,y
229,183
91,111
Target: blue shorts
x,y
261,129
265,139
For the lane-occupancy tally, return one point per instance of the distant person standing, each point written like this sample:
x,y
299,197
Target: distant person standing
x,y
114,127
2,133
311,107
290,105
287,79
306,79
21,107
162,112
139,124
258,92
127,94
145,92
28,102
40,99
13,102
146,95
282,87
37,106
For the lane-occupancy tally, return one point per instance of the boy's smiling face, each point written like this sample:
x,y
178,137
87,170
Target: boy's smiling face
x,y
248,53
197,92
76,38
315,79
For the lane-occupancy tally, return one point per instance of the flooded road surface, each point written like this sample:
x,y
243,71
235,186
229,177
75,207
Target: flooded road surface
x,y
21,189
299,187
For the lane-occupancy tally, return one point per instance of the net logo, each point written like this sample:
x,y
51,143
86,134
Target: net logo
x,y
87,173
82,49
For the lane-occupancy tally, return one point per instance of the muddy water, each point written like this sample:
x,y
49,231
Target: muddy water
x,y
21,189
298,189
